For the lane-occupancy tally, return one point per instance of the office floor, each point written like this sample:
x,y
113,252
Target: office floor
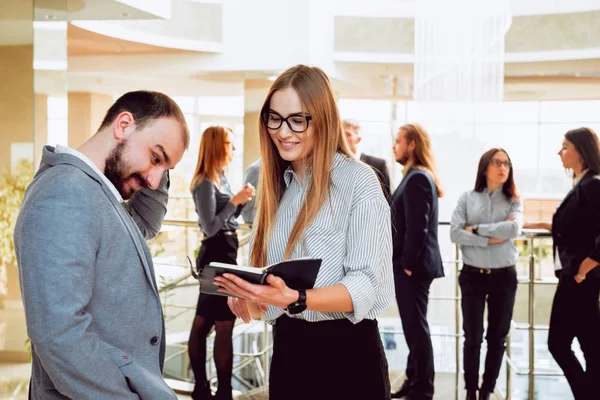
x,y
14,376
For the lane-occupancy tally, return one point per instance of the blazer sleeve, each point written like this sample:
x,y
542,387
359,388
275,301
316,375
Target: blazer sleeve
x,y
591,193
56,240
418,201
458,234
251,177
148,207
505,229
211,221
385,181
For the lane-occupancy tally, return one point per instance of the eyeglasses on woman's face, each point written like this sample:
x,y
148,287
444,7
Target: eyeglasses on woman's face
x,y
296,122
499,163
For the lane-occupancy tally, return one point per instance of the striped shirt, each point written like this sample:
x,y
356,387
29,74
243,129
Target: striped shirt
x,y
351,234
490,213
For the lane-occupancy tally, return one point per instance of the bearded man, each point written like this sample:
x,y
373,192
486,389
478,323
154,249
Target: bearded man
x,y
92,306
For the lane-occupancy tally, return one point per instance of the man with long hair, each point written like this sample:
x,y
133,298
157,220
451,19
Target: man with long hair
x,y
416,258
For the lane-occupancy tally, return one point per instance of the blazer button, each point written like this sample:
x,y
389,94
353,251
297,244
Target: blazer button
x,y
154,341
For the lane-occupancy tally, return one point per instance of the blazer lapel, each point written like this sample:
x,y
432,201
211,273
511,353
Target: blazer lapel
x,y
589,175
133,230
136,236
140,246
400,187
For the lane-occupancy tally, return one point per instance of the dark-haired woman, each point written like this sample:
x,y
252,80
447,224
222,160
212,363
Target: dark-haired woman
x,y
483,224
576,234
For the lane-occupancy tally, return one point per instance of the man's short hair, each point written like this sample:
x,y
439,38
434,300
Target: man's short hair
x,y
351,124
146,106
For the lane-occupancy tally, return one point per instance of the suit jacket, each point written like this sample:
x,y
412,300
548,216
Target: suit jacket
x,y
251,176
92,308
576,225
415,226
380,167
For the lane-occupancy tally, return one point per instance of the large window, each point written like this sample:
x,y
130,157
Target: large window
x,y
58,121
531,133
200,113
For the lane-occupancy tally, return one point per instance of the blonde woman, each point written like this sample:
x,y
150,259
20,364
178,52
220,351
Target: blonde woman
x,y
316,200
217,208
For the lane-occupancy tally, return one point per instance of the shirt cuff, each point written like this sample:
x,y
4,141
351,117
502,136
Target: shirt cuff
x,y
362,295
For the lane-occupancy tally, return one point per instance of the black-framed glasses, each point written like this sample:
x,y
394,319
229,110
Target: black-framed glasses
x,y
498,163
296,122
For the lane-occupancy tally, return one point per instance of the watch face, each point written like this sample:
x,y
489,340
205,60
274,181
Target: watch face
x,y
297,308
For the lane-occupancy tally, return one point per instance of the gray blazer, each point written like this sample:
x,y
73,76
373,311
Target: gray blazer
x,y
92,308
251,176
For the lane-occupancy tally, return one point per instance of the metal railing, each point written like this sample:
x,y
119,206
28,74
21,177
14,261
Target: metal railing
x,y
261,348
177,341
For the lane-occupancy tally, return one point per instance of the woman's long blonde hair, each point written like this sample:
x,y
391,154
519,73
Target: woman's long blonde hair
x,y
314,89
422,156
212,155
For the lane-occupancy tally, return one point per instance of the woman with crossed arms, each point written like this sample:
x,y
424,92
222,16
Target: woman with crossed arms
x,y
483,224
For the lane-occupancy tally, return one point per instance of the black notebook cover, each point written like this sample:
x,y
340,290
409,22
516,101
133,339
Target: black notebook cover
x,y
297,274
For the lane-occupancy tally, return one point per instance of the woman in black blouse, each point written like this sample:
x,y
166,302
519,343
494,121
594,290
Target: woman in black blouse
x,y
217,209
576,234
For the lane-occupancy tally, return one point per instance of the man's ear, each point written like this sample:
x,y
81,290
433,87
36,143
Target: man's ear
x,y
124,125
411,145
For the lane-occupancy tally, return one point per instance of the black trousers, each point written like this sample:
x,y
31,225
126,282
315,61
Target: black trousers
x,y
327,360
576,314
412,296
498,288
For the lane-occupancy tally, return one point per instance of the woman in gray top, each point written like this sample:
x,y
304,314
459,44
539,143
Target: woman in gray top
x,y
217,209
483,224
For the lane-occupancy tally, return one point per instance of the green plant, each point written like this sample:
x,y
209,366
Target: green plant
x,y
12,189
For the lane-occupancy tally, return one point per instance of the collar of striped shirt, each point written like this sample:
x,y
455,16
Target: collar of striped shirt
x,y
290,174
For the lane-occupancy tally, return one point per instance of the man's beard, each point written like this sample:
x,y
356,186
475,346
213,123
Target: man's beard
x,y
403,159
116,168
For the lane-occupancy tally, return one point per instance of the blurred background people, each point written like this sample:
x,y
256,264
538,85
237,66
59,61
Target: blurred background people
x,y
251,177
576,234
217,208
417,259
483,224
352,132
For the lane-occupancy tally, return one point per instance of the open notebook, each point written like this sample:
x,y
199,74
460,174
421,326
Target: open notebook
x,y
297,274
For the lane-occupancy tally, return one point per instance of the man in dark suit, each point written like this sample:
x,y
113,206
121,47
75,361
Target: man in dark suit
x,y
352,131
416,258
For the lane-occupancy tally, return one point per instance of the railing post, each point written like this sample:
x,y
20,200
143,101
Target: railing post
x,y
508,369
265,359
531,319
457,322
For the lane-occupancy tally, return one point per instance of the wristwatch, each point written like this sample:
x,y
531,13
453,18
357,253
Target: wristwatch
x,y
299,305
475,229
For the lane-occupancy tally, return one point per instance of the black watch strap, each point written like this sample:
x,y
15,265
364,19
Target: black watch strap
x,y
299,305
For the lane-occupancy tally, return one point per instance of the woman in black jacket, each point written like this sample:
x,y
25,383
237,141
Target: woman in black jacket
x,y
576,233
